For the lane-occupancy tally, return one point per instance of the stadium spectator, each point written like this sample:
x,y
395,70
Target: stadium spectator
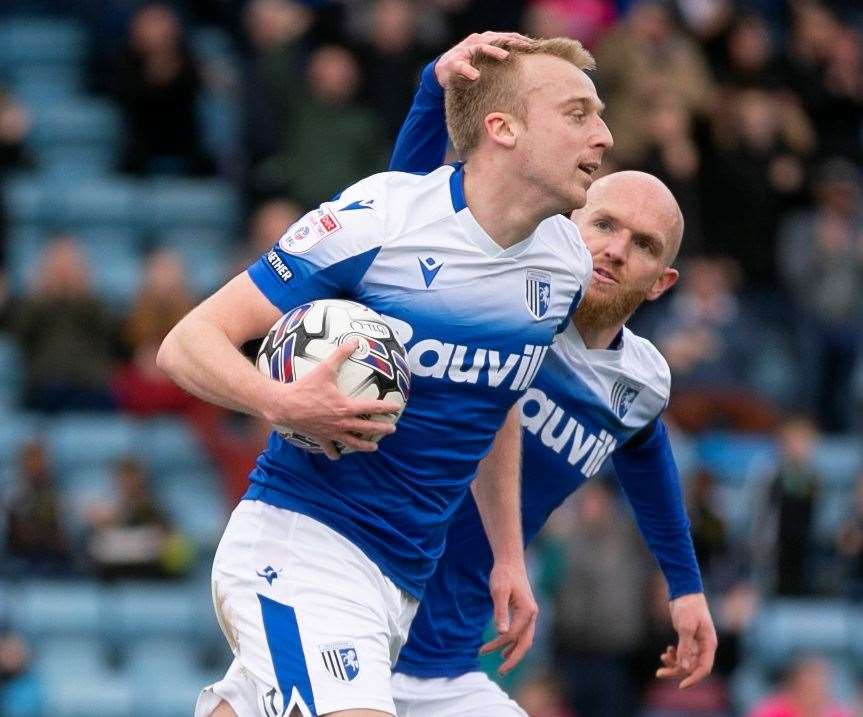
x,y
19,687
708,338
36,540
599,616
672,154
783,534
643,56
277,35
392,56
325,114
268,222
805,692
849,543
131,535
824,68
750,59
709,532
821,260
587,20
158,86
14,130
162,300
66,334
754,171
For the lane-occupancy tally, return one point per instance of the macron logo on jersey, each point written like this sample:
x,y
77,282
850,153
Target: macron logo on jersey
x,y
542,416
359,204
430,267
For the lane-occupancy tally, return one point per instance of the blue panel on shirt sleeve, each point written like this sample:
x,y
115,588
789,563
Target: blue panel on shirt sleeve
x,y
422,140
307,282
648,474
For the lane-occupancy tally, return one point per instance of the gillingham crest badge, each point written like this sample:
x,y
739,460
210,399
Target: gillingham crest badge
x,y
341,660
537,292
623,395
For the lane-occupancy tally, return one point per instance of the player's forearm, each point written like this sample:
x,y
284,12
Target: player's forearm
x,y
199,357
497,492
421,144
649,478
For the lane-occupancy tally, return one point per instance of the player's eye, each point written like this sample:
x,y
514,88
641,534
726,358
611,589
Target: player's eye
x,y
578,116
603,225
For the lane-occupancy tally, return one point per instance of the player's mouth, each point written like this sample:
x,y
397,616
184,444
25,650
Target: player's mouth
x,y
603,276
589,168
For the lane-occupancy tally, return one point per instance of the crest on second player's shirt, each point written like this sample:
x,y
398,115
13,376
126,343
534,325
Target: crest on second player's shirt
x,y
341,660
537,292
623,395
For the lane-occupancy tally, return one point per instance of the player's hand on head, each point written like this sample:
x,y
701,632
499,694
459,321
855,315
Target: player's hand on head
x,y
314,406
691,660
515,613
458,59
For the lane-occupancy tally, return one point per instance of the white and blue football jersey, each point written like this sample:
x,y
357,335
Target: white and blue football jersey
x,y
584,406
477,321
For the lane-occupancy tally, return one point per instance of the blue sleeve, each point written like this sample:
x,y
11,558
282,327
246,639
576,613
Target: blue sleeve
x,y
422,140
648,475
326,254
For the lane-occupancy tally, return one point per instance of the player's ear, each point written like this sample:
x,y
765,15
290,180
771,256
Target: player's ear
x,y
666,280
500,128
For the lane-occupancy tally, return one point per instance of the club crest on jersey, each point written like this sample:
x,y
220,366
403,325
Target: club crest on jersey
x,y
341,660
623,395
537,292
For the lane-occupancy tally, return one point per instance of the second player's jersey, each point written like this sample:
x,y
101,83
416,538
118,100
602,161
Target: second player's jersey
x,y
476,320
583,406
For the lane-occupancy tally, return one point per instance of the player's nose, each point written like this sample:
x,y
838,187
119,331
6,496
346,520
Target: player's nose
x,y
602,135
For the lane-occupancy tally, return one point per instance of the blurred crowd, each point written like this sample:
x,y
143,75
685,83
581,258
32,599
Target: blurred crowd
x,y
751,111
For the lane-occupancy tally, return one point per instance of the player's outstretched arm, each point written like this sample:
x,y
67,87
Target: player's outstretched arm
x,y
497,491
201,354
422,140
649,477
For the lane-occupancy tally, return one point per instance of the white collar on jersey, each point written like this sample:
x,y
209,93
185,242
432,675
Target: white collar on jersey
x,y
471,227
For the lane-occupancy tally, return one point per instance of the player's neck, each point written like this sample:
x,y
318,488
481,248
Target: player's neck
x,y
596,337
502,209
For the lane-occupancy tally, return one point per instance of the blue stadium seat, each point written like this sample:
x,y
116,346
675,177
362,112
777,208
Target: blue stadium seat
x,y
41,85
97,204
839,460
91,440
24,197
785,627
40,42
174,203
81,125
11,371
207,267
165,676
138,610
170,446
15,430
736,458
46,608
198,508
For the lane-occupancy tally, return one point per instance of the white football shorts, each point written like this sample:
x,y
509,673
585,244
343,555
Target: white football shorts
x,y
473,694
312,621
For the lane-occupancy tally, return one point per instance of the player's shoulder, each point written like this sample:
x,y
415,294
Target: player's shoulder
x,y
402,201
562,235
644,363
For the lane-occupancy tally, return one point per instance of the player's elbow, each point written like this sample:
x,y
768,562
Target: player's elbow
x,y
167,358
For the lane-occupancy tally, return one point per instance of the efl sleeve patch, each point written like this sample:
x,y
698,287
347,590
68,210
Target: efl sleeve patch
x,y
314,228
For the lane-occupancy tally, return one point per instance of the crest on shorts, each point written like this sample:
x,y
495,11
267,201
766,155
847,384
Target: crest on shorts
x,y
341,660
537,292
623,395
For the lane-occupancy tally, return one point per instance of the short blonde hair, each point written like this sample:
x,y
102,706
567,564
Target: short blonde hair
x,y
468,102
